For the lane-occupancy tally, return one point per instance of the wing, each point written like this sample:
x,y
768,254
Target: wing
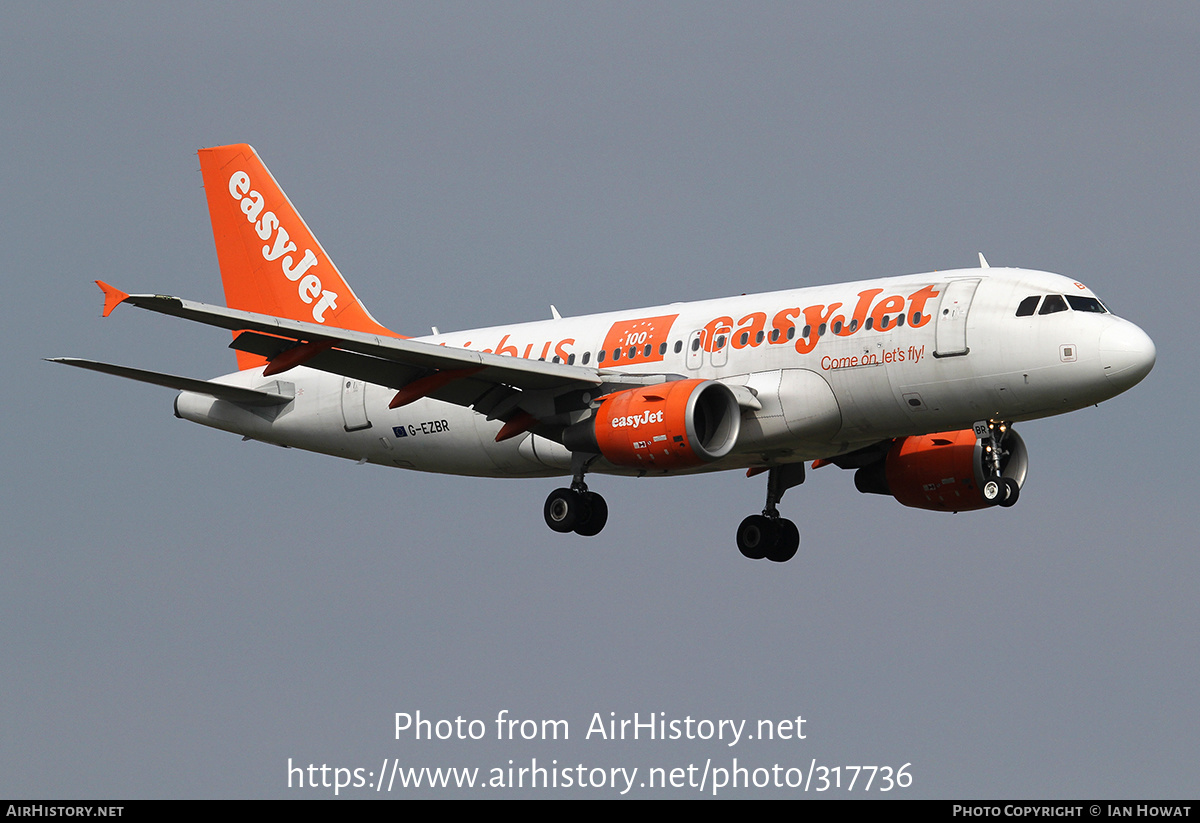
x,y
498,386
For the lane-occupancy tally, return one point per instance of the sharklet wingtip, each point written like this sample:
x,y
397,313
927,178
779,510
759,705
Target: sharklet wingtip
x,y
113,297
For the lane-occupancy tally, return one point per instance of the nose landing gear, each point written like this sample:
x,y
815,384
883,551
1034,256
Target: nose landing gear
x,y
1003,490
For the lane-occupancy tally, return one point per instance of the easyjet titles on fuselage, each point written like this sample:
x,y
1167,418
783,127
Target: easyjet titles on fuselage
x,y
872,312
887,313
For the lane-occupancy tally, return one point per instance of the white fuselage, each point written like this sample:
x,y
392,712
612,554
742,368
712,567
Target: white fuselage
x,y
832,367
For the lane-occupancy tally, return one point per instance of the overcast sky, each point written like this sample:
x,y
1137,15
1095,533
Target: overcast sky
x,y
182,612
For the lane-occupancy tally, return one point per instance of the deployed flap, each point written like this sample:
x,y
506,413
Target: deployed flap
x,y
234,394
364,367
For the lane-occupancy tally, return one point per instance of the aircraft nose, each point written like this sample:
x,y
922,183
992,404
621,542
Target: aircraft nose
x,y
1127,354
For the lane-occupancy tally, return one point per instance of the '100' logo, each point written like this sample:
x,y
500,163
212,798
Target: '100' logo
x,y
265,224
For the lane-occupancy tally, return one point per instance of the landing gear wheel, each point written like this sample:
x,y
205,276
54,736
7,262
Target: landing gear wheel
x,y
1011,492
993,490
756,536
787,542
594,514
563,510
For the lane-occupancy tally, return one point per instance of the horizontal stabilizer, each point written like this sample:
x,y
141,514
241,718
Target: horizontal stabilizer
x,y
234,394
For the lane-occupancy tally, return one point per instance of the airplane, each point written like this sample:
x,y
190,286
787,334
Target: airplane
x,y
914,382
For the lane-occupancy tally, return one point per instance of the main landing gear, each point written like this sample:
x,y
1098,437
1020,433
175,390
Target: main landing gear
x,y
769,535
576,509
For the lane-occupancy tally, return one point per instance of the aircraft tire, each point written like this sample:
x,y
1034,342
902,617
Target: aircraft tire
x,y
563,510
993,490
1011,492
596,515
787,544
756,536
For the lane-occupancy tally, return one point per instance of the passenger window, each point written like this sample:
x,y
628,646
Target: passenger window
x,y
695,344
679,345
1028,305
745,337
600,356
587,355
662,348
1053,303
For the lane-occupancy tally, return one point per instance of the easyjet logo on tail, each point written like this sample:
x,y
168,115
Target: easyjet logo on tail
x,y
280,247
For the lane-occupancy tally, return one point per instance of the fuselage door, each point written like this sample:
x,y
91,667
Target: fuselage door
x,y
720,350
354,405
951,336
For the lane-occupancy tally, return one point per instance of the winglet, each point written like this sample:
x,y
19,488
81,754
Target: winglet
x,y
113,297
983,263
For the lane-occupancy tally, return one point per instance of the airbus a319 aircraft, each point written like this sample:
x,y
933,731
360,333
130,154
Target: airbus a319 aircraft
x,y
913,382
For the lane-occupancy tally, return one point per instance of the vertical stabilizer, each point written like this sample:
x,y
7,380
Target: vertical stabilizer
x,y
271,263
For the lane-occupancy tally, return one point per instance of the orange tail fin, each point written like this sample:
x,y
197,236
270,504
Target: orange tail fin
x,y
271,263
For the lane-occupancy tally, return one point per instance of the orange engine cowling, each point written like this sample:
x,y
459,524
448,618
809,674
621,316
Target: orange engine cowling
x,y
944,471
676,425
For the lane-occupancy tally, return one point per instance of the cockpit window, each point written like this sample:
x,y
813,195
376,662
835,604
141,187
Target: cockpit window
x,y
1028,305
1053,303
1081,303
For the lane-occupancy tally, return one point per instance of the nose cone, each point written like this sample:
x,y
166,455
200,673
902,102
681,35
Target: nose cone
x,y
1127,354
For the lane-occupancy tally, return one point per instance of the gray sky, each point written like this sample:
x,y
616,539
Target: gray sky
x,y
182,612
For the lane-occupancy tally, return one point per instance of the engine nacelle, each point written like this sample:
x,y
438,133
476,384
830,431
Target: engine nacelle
x,y
943,471
676,425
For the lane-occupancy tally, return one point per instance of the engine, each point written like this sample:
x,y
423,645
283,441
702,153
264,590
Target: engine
x,y
676,425
946,471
